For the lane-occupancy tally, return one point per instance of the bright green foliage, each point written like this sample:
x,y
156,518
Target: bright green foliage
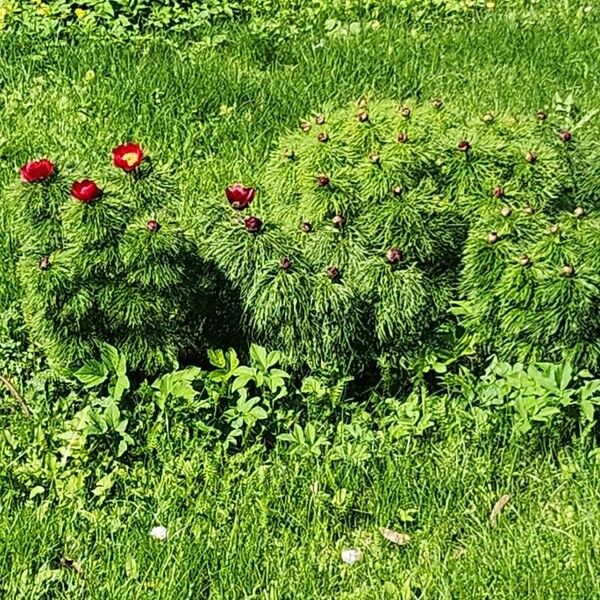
x,y
534,293
94,272
412,177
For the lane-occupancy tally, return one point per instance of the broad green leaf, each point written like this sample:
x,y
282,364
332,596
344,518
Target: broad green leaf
x,y
92,374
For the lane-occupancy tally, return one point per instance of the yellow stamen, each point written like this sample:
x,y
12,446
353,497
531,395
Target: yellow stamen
x,y
130,158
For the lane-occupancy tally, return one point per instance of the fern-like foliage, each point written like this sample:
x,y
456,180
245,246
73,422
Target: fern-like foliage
x,y
114,267
366,212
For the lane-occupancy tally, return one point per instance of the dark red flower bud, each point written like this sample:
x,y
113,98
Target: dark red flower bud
x,y
492,237
240,197
320,120
394,255
85,191
37,170
128,156
397,190
565,136
323,181
463,146
306,227
567,271
402,137
405,112
579,212
323,137
285,264
44,263
333,273
506,211
531,157
540,115
437,103
499,191
253,224
153,225
338,221
488,117
363,116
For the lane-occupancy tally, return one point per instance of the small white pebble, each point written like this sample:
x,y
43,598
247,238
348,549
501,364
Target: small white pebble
x,y
351,555
159,533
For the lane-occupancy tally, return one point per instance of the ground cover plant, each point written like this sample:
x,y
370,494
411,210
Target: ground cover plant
x,y
299,300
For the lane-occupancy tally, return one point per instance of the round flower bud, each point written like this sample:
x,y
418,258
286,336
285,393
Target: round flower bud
x,y
285,264
531,157
323,181
528,210
405,112
44,263
306,227
437,103
506,211
463,146
323,137
402,137
567,271
524,261
152,225
253,224
565,136
333,273
393,256
363,116
554,229
579,212
338,221
488,117
492,237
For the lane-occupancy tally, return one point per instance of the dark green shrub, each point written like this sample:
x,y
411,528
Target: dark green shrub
x,y
361,221
106,265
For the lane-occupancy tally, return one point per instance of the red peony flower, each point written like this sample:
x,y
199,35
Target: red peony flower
x,y
37,170
240,197
128,157
85,191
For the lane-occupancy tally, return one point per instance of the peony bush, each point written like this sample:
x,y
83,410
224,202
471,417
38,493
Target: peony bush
x,y
105,261
367,229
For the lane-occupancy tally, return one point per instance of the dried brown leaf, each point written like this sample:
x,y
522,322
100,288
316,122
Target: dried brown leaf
x,y
498,508
393,536
70,563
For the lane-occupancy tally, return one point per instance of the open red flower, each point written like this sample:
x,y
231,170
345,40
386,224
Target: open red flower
x,y
240,197
37,170
85,191
128,157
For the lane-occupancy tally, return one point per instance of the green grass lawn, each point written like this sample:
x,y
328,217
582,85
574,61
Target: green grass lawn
x,y
255,526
